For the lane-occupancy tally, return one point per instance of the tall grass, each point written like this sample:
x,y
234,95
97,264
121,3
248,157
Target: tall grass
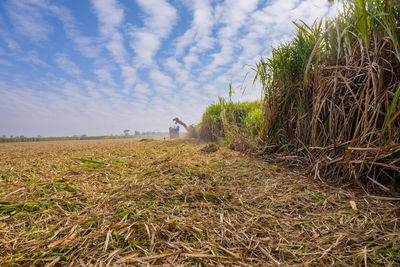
x,y
349,93
331,95
233,122
281,76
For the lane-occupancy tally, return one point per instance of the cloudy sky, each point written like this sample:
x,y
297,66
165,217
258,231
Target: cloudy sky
x,y
101,66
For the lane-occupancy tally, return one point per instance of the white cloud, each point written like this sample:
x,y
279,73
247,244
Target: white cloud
x,y
233,15
161,79
146,45
110,16
130,76
162,90
190,59
12,45
278,15
103,73
116,47
161,16
201,31
28,16
87,46
142,89
28,20
160,19
184,41
6,63
32,57
181,74
67,65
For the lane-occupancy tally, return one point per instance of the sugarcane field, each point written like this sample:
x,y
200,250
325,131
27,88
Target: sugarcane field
x,y
200,133
180,202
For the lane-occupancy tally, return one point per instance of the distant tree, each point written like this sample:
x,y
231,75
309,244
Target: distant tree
x,y
137,133
126,132
4,136
83,135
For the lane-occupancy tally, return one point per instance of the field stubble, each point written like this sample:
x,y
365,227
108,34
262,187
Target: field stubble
x,y
176,202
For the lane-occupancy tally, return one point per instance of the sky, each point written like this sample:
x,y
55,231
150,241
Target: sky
x,y
97,67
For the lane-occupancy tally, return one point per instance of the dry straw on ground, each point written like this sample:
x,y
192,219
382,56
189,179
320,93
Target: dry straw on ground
x,y
123,202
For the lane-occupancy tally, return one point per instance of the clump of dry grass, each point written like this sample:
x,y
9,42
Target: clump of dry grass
x,y
210,148
121,202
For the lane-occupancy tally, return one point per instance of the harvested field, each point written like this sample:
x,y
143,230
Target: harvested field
x,y
180,203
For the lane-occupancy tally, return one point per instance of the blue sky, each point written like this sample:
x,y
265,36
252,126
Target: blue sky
x,y
101,66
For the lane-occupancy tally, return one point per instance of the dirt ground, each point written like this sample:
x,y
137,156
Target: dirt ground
x,y
180,203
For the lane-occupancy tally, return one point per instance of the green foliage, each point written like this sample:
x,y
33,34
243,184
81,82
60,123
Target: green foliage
x,y
288,98
226,120
12,208
281,78
211,123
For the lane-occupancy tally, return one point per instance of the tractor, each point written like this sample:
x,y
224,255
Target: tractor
x,y
174,131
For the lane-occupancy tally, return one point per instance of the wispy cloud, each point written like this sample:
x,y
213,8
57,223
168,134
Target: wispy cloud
x,y
158,23
6,63
12,44
67,65
31,57
142,89
103,73
145,44
87,46
161,79
130,77
200,32
110,15
28,20
233,15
